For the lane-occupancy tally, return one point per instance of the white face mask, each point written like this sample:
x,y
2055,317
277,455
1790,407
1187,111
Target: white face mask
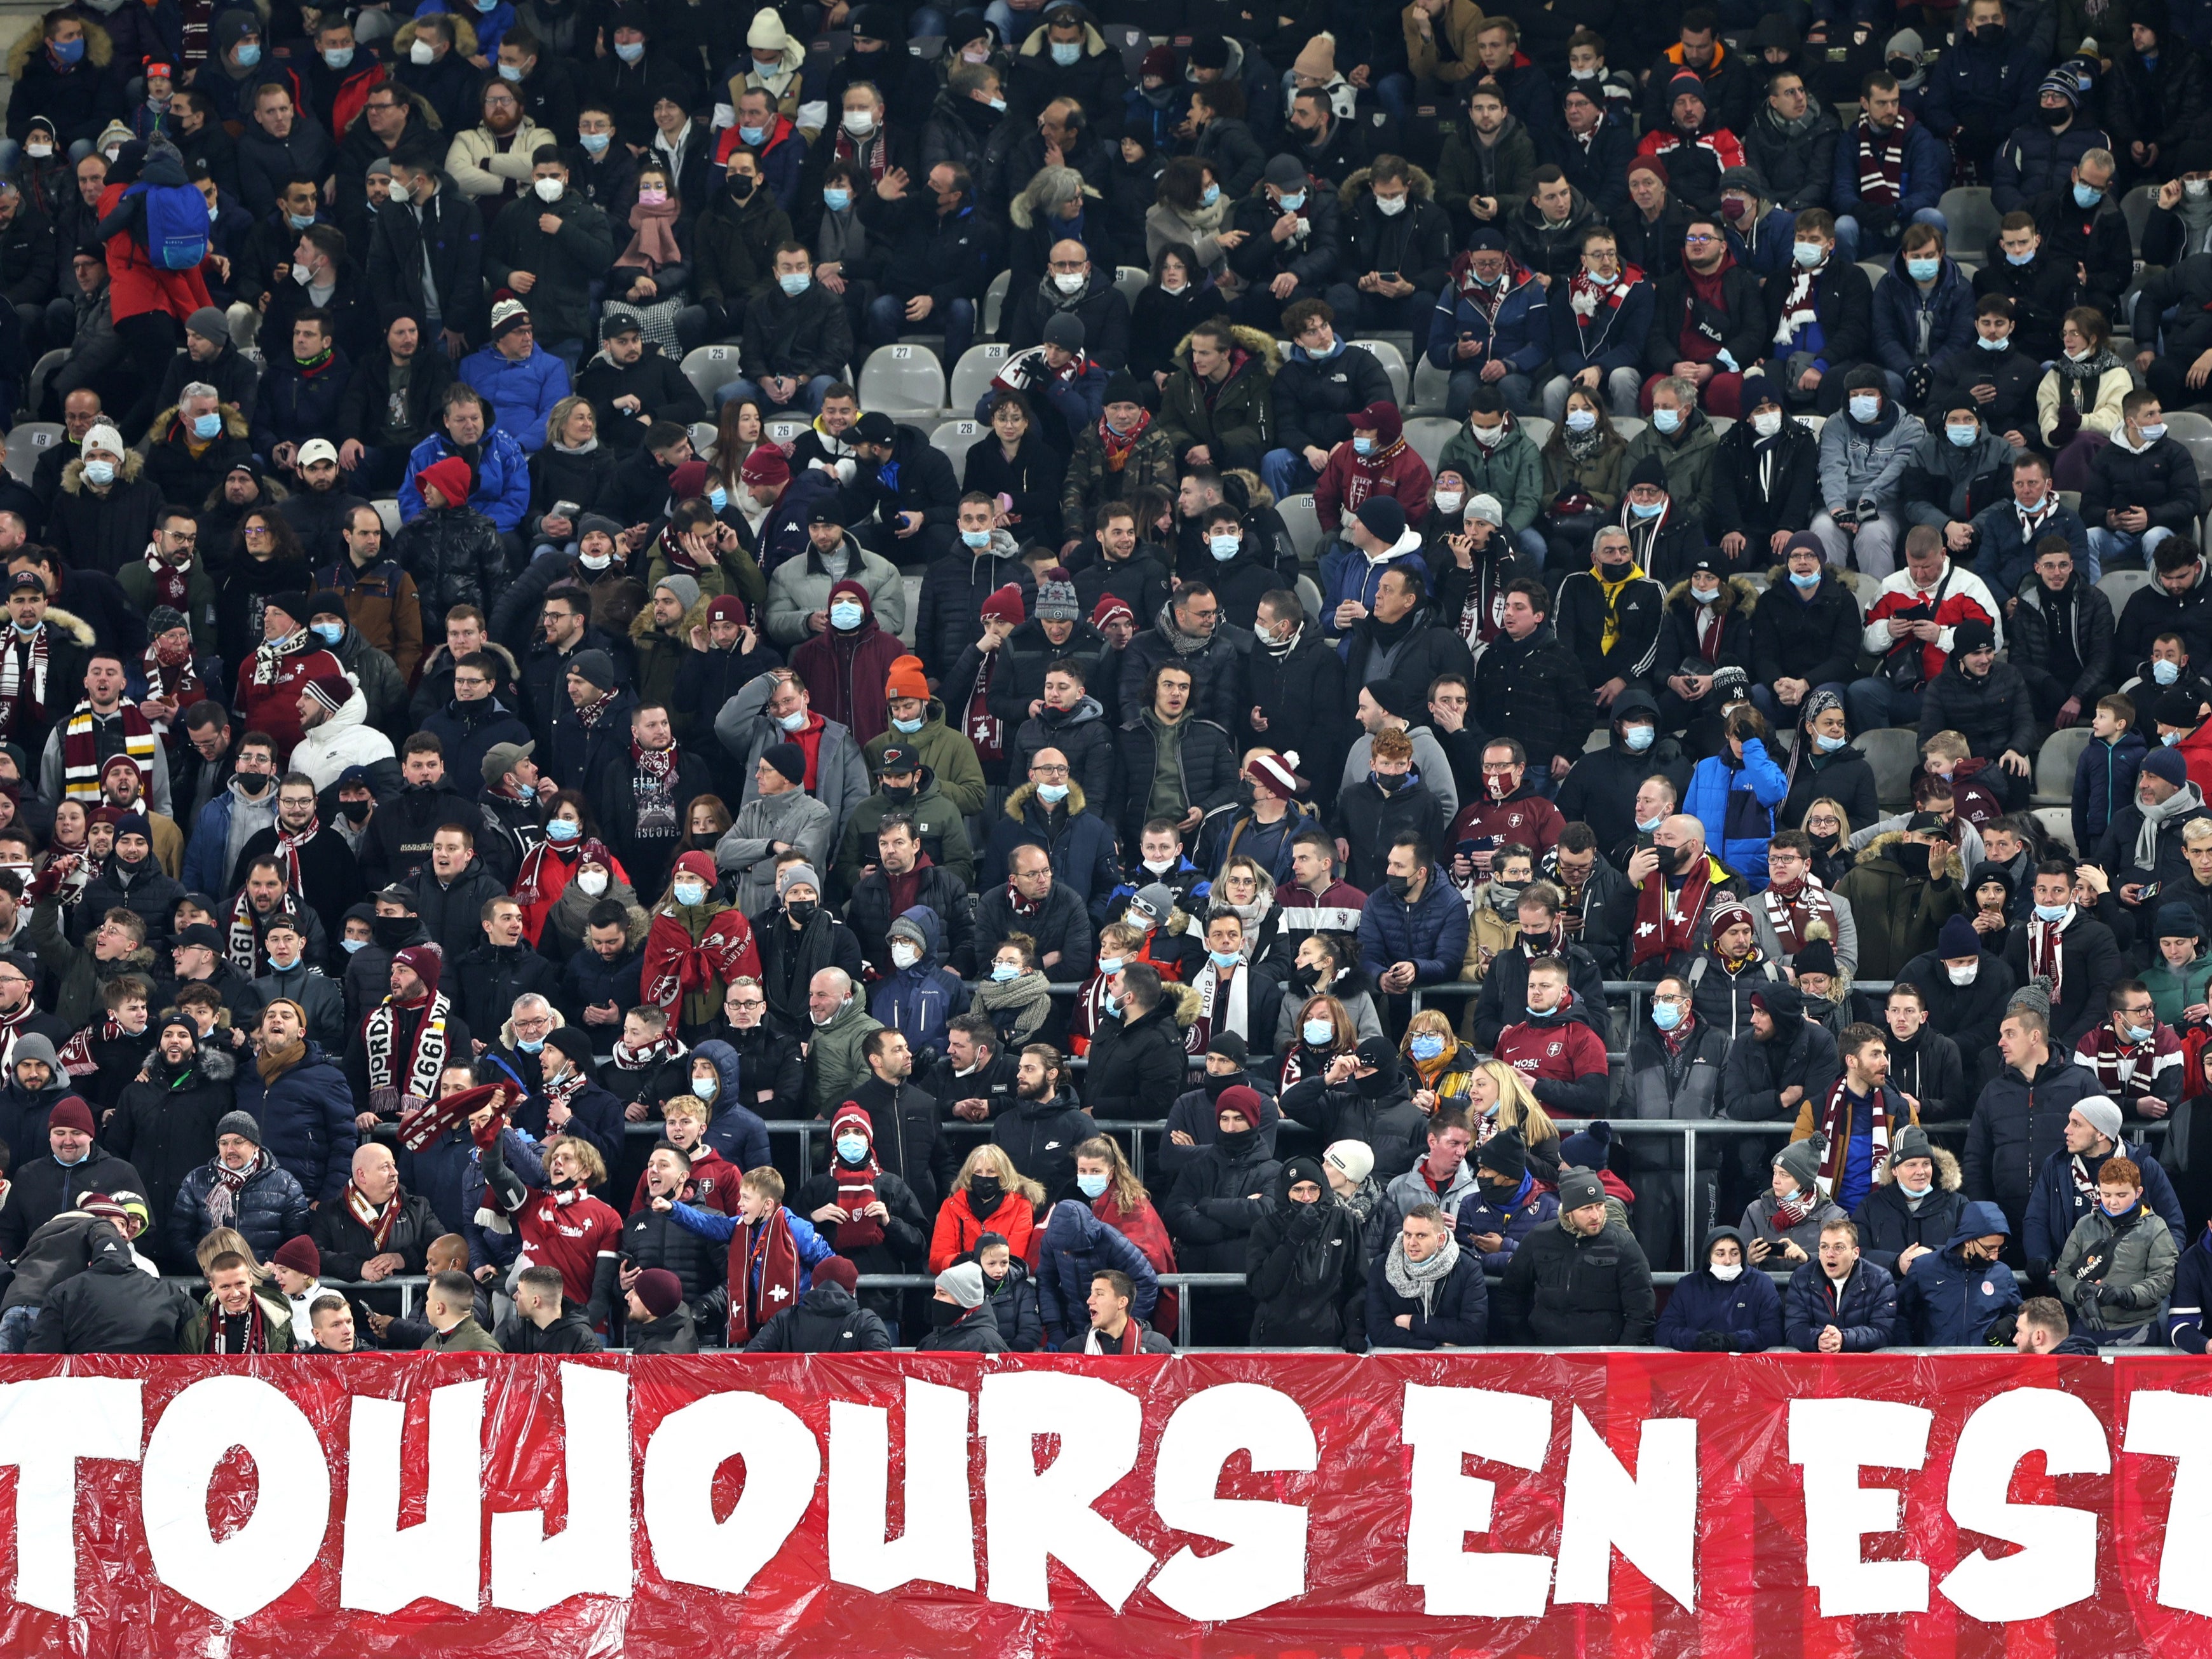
x,y
1964,976
421,52
1389,206
1729,1274
903,954
593,882
1766,423
860,122
1488,437
548,190
1069,281
1448,500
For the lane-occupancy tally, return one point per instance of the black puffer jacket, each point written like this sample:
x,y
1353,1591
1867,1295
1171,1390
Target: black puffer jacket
x,y
1570,1290
1219,1197
1994,713
347,1246
651,1238
2017,1125
1305,1267
1209,769
166,1129
975,1331
453,555
1816,640
1138,1065
1532,690
1392,1126
113,1306
2033,629
271,1208
825,1319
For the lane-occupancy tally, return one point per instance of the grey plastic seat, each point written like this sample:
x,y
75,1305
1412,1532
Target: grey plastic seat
x,y
26,443
1892,751
2055,763
973,374
709,368
903,380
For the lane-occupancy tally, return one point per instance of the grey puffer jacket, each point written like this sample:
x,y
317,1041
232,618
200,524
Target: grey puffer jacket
x,y
1938,472
1858,462
841,773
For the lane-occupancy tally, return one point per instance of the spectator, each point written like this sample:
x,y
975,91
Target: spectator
x,y
1923,312
2048,145
549,247
631,384
1583,1282
827,1318
1983,85
1675,1071
1598,336
945,252
1527,685
1045,1123
1216,406
498,473
2118,1267
1839,1303
2017,1123
1721,1308
1990,384
988,1196
2142,486
1490,327
1361,1095
2066,1180
796,338
1322,384
1890,172
1423,1290
1902,888
1558,1053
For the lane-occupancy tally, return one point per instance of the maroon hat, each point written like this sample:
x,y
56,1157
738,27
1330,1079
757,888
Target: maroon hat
x,y
71,1113
662,1292
427,960
836,1270
688,480
1004,605
333,691
1244,1100
1648,164
726,607
301,1255
765,466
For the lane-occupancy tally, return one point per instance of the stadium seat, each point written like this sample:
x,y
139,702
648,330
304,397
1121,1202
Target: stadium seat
x,y
2072,498
994,300
2057,822
1813,423
972,375
24,444
709,368
1538,428
1973,217
1598,741
1133,43
913,586
388,508
2135,208
1303,523
1874,268
2055,763
703,434
786,429
2118,584
1429,433
1630,427
2199,445
2187,423
903,380
1393,365
1129,281
1432,389
956,438
1892,751
1308,593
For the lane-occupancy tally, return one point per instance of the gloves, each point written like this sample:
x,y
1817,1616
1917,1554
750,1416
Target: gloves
x,y
2038,1269
2068,423
1710,1342
2115,1296
1918,381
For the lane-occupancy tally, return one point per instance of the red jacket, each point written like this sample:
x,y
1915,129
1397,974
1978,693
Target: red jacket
x,y
1143,1228
714,1184
275,707
1349,479
2196,754
136,285
845,675
1563,1060
1524,816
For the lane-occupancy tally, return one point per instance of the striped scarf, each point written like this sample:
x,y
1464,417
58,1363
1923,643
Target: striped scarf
x,y
1836,1124
1793,914
1881,164
81,767
288,849
376,1221
23,678
2047,957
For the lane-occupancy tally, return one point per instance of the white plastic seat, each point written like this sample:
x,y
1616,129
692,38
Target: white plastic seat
x,y
2058,823
1892,751
2135,208
972,374
1432,390
1630,427
1308,593
1129,281
387,509
995,300
1303,523
1428,434
956,439
1539,430
2199,446
703,436
2055,763
903,380
709,368
27,443
1393,365
2119,586
785,431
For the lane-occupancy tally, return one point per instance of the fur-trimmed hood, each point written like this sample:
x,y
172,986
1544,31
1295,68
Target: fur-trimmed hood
x,y
132,465
1182,1001
1777,576
74,626
1258,342
99,46
1418,185
168,428
1882,844
1017,802
1034,43
271,491
465,37
1258,496
1022,211
1949,1177
1737,594
642,628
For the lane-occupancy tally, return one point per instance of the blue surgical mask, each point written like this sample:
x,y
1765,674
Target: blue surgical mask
x,y
329,633
1666,1015
100,472
1108,966
1827,745
629,51
1535,1012
1224,958
717,498
2166,673
836,200
852,1148
248,54
1113,1005
845,614
1965,436
209,426
1293,203
71,51
1866,408
1647,509
977,540
755,137
1804,584
1363,445
564,830
907,727
1426,1046
1317,1032
1648,826
703,1087
510,73
1988,344
795,283
300,221
1581,420
341,58
1809,254
2049,913
1922,270
2151,434
352,945
2085,196
1210,195
530,1045
2137,1033
1052,794
1636,738
2027,259
1092,1186
1066,53
1003,971
1667,420
1224,548
2169,739
594,143
688,892
794,721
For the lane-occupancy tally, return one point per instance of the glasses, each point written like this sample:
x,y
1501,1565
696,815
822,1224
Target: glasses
x,y
1694,239
1048,771
256,531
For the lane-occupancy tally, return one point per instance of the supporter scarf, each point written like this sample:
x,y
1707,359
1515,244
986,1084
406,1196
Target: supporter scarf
x,y
679,967
1881,164
595,711
269,657
563,1093
1791,914
662,1048
256,1340
654,792
288,849
11,1027
223,1197
984,729
2085,1183
764,1274
1217,1011
1586,294
23,677
1302,1062
1797,312
878,157
2032,524
1027,908
242,947
2046,956
1484,612
171,583
1792,1211
680,560
1666,921
1117,445
76,1054
1132,1340
312,367
2125,1068
172,682
547,870
856,1184
426,1056
1612,590
375,1220
1486,302
80,753
1836,1124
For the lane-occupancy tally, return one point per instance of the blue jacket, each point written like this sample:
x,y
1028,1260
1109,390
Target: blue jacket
x,y
1613,337
2192,1289
1927,172
492,26
813,1249
204,852
271,1208
1736,805
522,394
503,491
2055,1204
1747,1314
1462,1316
1771,249
736,1131
1431,932
1947,1301
1867,1315
1348,573
1983,88
1512,1221
1898,303
1520,336
2005,559
2104,782
1077,1245
920,1000
307,1122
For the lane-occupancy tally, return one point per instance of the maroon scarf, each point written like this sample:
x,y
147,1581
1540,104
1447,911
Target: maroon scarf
x,y
1661,930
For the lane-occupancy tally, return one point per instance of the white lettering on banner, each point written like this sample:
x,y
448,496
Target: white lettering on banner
x,y
1029,1513
1265,1560
1834,1439
1651,1517
386,1566
236,1576
45,1425
2179,1425
938,1544
783,1465
590,1556
1443,1426
2056,1565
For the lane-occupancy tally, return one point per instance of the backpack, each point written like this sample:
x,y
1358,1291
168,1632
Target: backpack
x,y
176,225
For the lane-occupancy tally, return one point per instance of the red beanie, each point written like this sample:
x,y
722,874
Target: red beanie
x,y
1006,605
449,476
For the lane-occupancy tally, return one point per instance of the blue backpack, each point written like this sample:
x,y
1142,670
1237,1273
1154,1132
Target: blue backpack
x,y
176,225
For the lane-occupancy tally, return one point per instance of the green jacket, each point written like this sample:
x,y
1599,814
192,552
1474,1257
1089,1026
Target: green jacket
x,y
1088,486
276,1313
658,657
565,263
2140,1260
945,751
733,572
2171,990
1459,177
1237,426
467,1337
199,597
1688,458
833,1066
733,248
936,815
1511,470
1603,478
1898,909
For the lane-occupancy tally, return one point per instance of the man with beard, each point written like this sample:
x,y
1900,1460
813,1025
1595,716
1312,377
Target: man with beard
x,y
646,804
399,835
320,869
393,1060
976,1078
262,898
905,1137
1047,1124
1297,685
652,1240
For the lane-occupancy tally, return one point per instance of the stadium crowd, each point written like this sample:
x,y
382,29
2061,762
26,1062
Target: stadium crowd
x,y
452,807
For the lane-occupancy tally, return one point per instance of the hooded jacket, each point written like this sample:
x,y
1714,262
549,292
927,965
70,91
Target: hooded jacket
x,y
1077,1247
1706,1315
113,1306
2056,1205
1236,419
345,739
1945,1301
1377,1110
1889,1223
1564,1289
826,1319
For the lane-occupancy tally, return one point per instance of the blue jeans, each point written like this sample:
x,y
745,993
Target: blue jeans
x,y
15,1328
1873,702
1519,391
2108,549
927,22
887,321
1852,236
806,395
1286,472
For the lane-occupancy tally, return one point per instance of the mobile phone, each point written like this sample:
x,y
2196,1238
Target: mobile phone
x,y
568,510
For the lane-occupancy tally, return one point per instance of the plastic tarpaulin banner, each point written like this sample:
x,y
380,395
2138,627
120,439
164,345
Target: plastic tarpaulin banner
x,y
1765,1507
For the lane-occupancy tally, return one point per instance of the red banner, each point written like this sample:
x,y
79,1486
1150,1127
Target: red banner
x,y
1771,1507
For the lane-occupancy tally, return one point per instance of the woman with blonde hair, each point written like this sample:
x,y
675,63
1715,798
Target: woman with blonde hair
x,y
1116,1197
1441,1067
571,467
1245,887
1501,1099
988,1195
1829,825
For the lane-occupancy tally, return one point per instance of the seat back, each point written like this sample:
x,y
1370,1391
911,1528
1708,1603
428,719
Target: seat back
x,y
903,380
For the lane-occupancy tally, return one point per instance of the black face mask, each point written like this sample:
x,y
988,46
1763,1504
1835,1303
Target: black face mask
x,y
942,1314
1400,886
1377,1084
2057,118
392,932
1215,1085
898,792
984,1193
741,185
800,910
1239,1144
356,810
1989,34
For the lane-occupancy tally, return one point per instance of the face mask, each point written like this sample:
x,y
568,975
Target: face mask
x,y
860,122
1647,509
303,275
977,539
2166,673
1965,436
1866,409
1317,1032
352,945
1804,584
800,910
1702,598
1636,738
907,727
629,51
1108,966
2050,912
420,53
1225,547
593,882
1808,254
691,892
564,830
1210,195
1734,208
1427,1045
2153,434
594,143
2136,1033
1667,420
905,955
100,472
1399,885
2084,197
300,221
207,426
248,55
1666,1015
342,58
1488,436
836,200
755,137
1065,53
1730,1273
1293,203
530,1046
2169,739
845,614
1004,973
1069,281
1581,420
852,1148
548,190
1922,270
38,152
1389,206
795,283
1092,1186
1050,793
1363,445
507,72
1448,500
329,633
703,1087
1767,423
984,1193
1994,345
